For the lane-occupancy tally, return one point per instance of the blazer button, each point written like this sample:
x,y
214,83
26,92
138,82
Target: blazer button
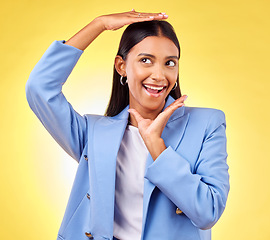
x,y
88,195
178,211
85,158
89,235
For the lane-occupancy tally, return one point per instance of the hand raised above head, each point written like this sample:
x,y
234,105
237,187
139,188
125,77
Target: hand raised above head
x,y
89,33
118,20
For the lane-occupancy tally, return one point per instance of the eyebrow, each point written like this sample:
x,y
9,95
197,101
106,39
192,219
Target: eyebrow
x,y
152,56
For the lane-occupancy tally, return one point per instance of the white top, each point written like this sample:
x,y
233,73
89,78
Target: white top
x,y
129,184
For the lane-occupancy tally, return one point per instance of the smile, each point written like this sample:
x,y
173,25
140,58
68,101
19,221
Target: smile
x,y
154,91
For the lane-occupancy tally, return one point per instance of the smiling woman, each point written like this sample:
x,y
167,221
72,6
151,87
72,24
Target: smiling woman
x,y
135,40
149,76
151,168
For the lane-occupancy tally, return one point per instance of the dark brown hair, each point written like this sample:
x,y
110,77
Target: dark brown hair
x,y
134,34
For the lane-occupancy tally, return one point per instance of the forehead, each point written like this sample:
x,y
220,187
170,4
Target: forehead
x,y
157,46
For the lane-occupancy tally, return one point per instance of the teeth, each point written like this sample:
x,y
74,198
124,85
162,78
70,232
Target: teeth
x,y
154,88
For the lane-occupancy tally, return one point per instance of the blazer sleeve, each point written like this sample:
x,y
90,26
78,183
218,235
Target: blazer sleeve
x,y
45,97
201,194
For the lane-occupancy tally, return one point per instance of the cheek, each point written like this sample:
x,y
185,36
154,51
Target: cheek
x,y
137,73
173,77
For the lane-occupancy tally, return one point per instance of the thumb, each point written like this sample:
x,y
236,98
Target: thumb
x,y
135,114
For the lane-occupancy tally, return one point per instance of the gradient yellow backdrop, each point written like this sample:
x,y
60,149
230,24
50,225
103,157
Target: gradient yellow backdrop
x,y
224,65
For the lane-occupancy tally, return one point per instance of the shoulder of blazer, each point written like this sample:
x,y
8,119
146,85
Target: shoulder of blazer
x,y
202,111
208,118
123,115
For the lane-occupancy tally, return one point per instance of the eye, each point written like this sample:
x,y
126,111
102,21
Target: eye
x,y
171,63
146,60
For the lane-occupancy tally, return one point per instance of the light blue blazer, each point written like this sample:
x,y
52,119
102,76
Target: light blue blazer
x,y
185,189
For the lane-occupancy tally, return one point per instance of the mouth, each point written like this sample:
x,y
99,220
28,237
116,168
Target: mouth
x,y
154,90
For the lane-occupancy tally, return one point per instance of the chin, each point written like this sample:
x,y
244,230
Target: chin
x,y
154,105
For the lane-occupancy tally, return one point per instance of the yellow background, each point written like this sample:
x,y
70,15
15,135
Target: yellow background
x,y
224,64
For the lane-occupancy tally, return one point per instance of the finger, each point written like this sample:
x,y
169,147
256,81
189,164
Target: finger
x,y
182,98
167,113
148,16
175,105
137,116
170,109
159,15
179,102
145,14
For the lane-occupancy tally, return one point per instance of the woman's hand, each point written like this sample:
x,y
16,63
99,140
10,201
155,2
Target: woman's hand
x,y
90,32
151,130
118,20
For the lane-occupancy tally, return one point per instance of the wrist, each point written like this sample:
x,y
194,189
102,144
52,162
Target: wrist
x,y
101,22
155,146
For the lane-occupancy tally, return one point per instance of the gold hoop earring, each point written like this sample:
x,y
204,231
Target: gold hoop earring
x,y
175,86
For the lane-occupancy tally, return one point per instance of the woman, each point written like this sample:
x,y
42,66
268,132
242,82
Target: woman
x,y
151,168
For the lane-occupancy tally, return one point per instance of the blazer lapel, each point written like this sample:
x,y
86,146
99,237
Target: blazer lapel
x,y
172,135
107,137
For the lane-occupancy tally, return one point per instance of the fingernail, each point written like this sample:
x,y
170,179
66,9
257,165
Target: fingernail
x,y
163,13
166,16
151,17
186,97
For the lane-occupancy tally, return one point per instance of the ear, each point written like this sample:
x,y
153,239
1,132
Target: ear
x,y
120,65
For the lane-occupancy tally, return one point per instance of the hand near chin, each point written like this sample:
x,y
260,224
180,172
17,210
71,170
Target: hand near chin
x,y
118,20
151,130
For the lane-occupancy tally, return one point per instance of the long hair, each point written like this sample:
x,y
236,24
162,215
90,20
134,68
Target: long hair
x,y
134,34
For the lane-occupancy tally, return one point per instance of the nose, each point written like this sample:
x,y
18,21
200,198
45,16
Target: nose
x,y
158,73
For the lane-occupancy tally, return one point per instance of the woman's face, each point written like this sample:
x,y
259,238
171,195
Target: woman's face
x,y
151,68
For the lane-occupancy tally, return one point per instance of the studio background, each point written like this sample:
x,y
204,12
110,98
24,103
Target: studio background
x,y
224,64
